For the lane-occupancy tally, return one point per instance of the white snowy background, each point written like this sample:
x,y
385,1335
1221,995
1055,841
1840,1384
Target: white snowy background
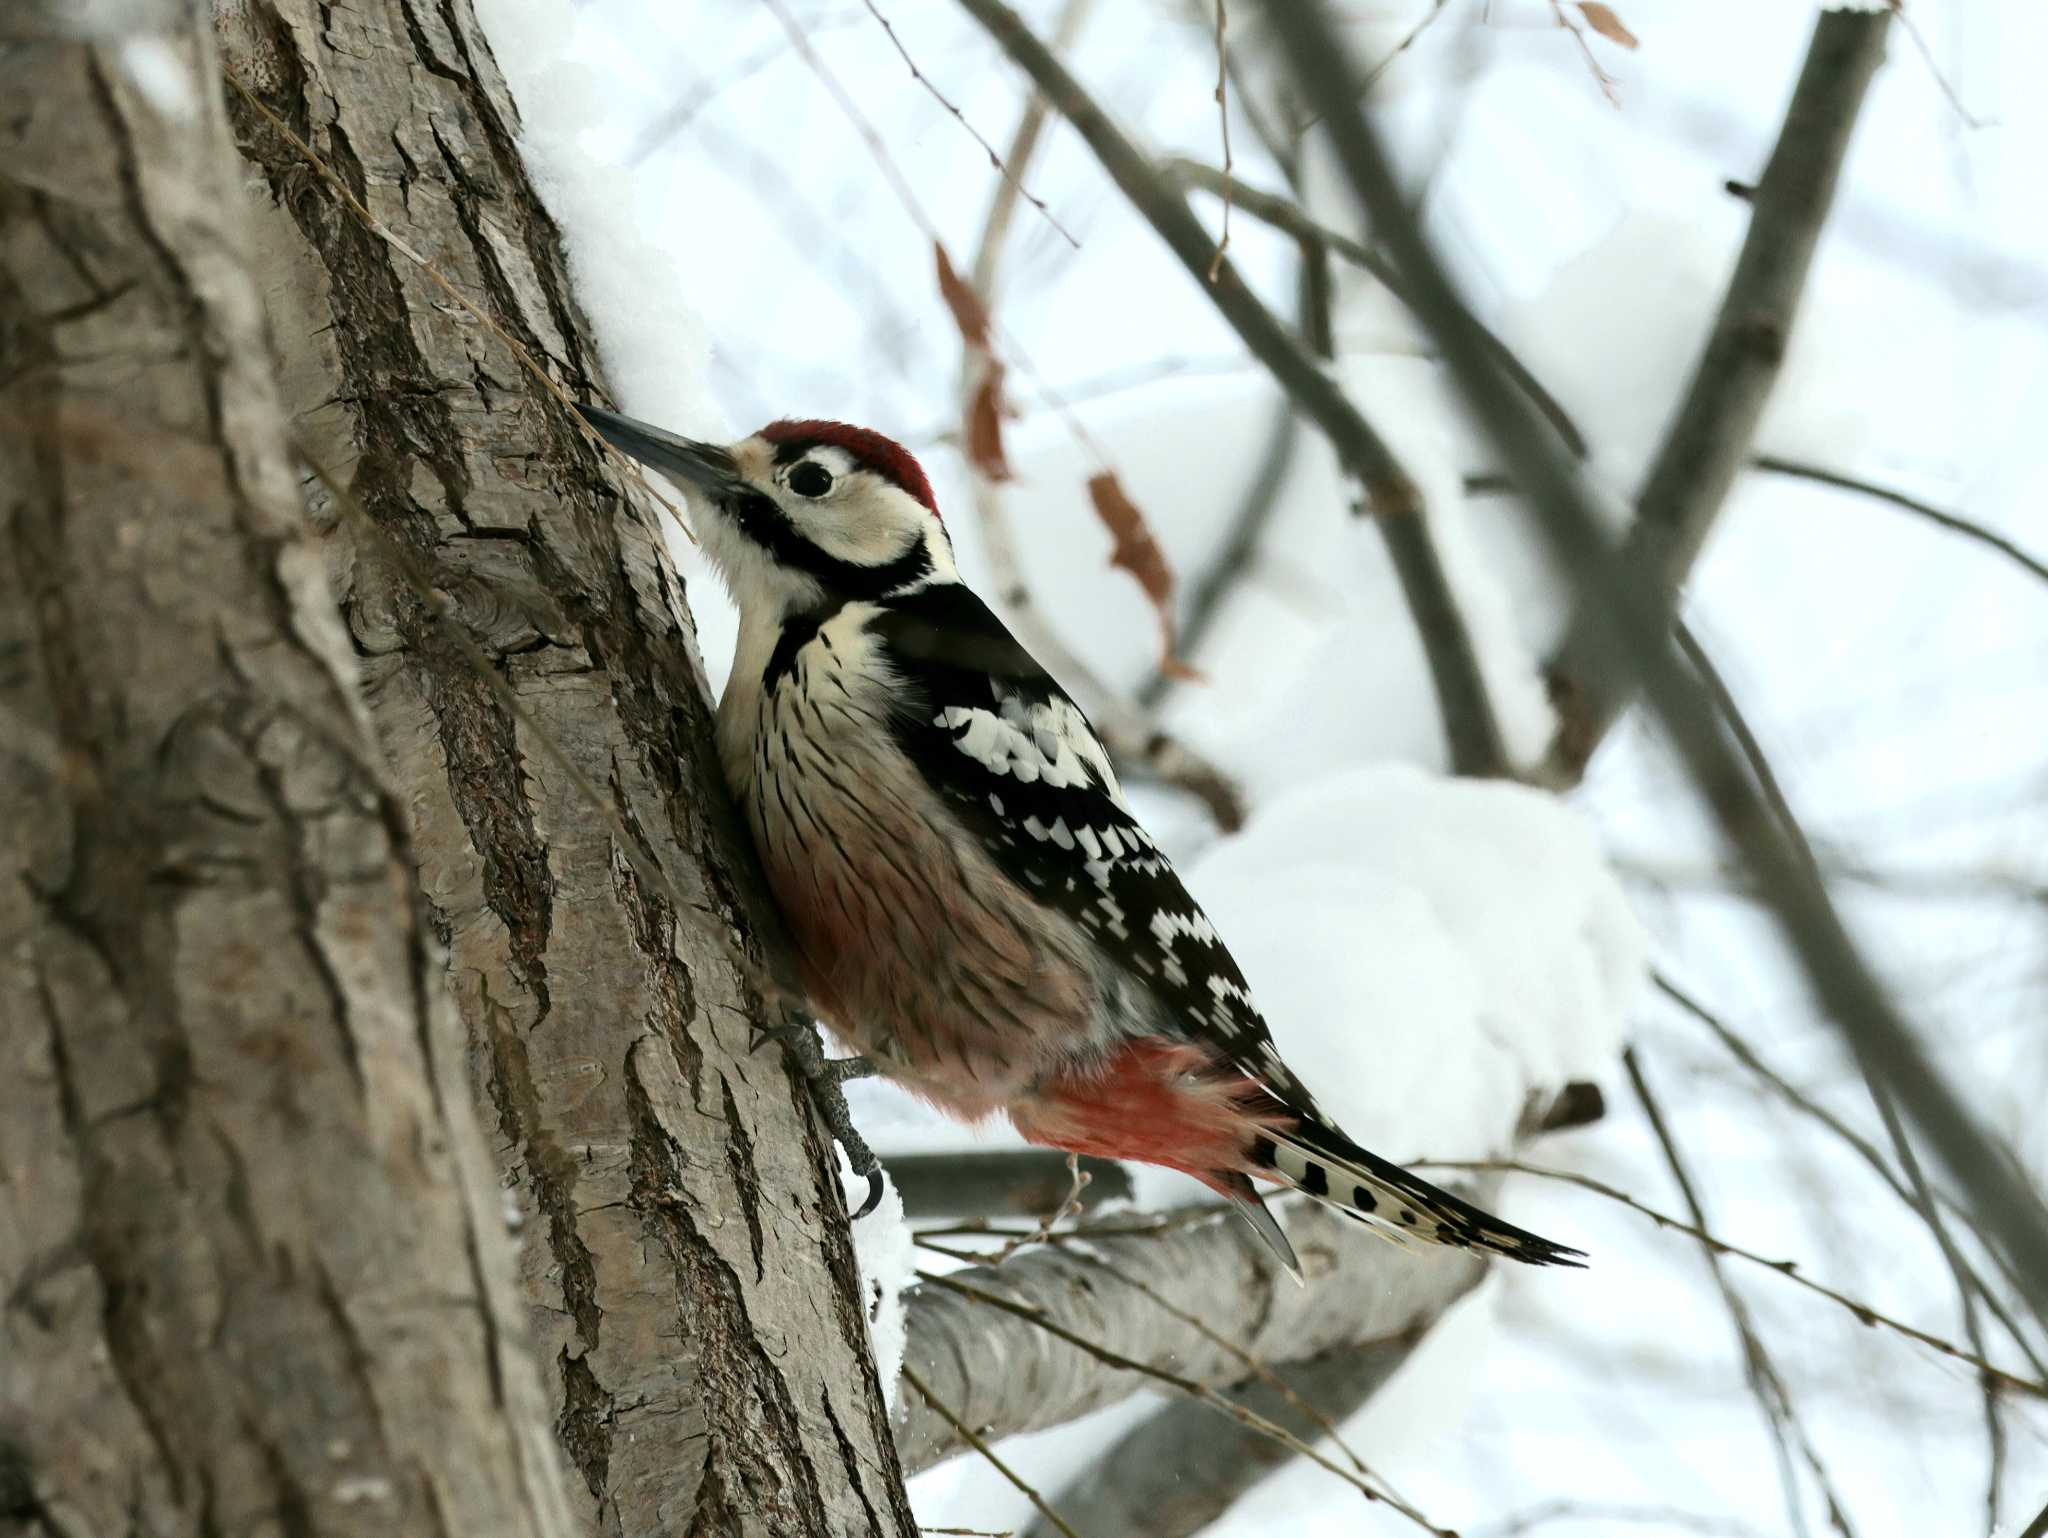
x,y
1427,950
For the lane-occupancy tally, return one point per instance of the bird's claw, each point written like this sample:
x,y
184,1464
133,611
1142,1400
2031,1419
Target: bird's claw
x,y
789,1034
827,1078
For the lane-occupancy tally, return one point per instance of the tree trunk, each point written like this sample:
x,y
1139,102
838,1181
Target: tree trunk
x,y
687,1263
254,1275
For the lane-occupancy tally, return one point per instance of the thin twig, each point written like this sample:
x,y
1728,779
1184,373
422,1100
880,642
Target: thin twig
x,y
1069,1206
1184,1466
1697,463
995,228
1868,1151
968,1435
1387,491
1788,1269
1641,1518
1967,1285
1970,119
1235,557
996,1182
1631,634
1291,219
1223,121
1189,1386
1921,1199
683,113
1780,807
1408,41
877,150
1016,179
1253,1364
1953,522
1773,1394
1600,76
1282,148
1949,885
1372,76
1133,737
1746,1055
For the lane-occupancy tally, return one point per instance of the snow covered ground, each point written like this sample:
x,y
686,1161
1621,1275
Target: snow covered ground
x,y
1427,950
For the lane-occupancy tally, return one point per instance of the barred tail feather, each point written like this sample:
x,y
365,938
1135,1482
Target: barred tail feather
x,y
1391,1202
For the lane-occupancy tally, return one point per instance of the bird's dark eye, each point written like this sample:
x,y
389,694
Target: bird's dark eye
x,y
810,480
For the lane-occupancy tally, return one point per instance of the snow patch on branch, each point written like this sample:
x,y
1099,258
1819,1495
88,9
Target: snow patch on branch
x,y
1429,952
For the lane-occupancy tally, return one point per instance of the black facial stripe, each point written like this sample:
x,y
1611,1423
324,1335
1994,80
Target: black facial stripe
x,y
767,525
798,631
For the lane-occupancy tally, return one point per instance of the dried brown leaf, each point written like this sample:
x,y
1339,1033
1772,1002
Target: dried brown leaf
x,y
985,424
1137,552
969,313
1601,19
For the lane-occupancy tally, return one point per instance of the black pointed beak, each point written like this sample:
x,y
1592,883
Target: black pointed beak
x,y
683,460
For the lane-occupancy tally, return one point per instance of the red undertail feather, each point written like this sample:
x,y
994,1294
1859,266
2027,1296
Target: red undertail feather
x,y
1153,1102
1160,1102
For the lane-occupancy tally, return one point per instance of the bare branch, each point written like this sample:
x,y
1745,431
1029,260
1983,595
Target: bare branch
x,y
1967,1287
1015,179
1773,1394
1953,522
967,1435
1710,438
1223,120
1640,1517
1234,558
1921,1197
1175,1473
1258,1369
1134,739
997,1182
1201,1392
1789,1269
1489,484
1006,1373
884,161
1290,219
1631,626
1389,494
1868,1151
995,229
1131,737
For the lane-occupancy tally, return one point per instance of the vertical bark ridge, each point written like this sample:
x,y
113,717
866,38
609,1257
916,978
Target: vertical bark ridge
x,y
745,1323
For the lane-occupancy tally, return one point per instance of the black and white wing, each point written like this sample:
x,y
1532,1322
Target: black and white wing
x,y
1001,743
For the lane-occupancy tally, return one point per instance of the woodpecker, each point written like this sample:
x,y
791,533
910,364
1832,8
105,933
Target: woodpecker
x,y
975,910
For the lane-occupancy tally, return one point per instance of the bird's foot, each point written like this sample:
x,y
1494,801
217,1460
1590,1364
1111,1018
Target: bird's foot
x,y
827,1078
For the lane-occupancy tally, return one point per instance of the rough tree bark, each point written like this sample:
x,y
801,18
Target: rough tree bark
x,y
688,1268
254,1270
694,1288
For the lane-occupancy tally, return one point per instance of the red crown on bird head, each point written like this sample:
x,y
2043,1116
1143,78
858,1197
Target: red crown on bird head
x,y
870,450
